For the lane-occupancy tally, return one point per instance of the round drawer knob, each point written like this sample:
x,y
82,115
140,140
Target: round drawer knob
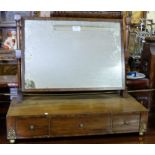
x,y
31,127
81,125
46,113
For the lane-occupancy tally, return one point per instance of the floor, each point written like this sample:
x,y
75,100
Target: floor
x,y
130,138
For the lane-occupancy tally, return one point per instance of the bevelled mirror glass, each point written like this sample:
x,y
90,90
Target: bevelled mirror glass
x,y
72,55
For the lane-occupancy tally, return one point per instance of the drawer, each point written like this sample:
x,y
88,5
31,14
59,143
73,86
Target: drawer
x,y
4,106
32,127
4,98
80,125
4,89
125,123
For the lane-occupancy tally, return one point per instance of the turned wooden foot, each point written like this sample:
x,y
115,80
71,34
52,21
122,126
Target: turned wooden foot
x,y
141,133
12,141
142,129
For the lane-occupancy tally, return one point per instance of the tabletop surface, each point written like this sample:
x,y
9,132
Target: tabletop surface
x,y
74,104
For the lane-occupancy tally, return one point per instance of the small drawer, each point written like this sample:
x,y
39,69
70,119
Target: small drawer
x,y
4,90
32,127
4,98
80,125
125,123
4,106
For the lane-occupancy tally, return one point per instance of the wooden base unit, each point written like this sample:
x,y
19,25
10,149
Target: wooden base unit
x,y
74,115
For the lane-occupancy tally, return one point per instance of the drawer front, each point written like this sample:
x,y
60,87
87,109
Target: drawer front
x,y
4,106
32,127
80,125
125,122
4,98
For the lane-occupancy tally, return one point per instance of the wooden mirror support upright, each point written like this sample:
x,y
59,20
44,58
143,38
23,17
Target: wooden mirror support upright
x,y
18,50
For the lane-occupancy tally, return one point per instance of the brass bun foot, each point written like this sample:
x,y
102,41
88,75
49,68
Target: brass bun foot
x,y
12,141
141,133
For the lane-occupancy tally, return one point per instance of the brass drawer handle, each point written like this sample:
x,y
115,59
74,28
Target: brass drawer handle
x,y
31,127
81,125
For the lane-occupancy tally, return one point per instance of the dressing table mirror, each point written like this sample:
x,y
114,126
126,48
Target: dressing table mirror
x,y
60,58
72,55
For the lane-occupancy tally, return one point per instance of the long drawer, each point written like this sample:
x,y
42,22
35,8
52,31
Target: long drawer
x,y
32,127
80,125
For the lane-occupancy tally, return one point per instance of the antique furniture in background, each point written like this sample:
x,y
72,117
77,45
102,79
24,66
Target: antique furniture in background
x,y
144,89
88,14
9,63
4,99
148,67
141,59
148,62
